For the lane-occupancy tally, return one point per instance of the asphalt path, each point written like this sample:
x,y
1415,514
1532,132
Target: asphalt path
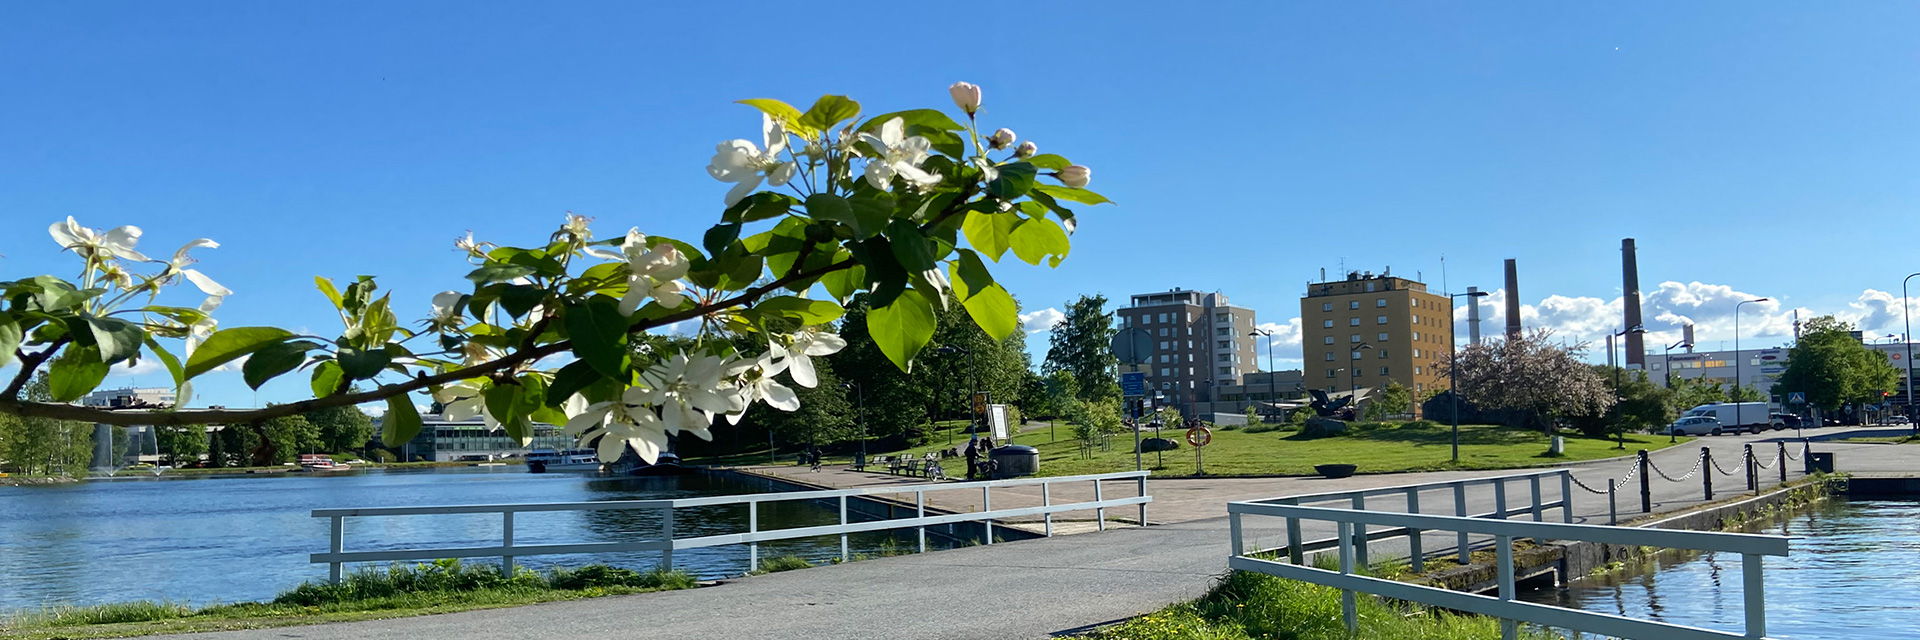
x,y
1053,586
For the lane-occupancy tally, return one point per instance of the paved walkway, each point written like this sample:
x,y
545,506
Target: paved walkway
x,y
1028,589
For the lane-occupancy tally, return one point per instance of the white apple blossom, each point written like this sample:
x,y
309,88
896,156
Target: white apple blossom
x,y
966,95
464,400
899,155
651,272
758,385
806,343
1001,138
1075,176
115,244
576,227
1026,149
689,391
617,425
742,163
178,266
446,311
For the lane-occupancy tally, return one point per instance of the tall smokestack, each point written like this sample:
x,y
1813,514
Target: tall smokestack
x,y
1473,315
1630,273
1513,301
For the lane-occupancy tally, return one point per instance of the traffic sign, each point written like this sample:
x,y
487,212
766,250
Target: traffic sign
x,y
1133,384
1199,436
1133,345
1797,397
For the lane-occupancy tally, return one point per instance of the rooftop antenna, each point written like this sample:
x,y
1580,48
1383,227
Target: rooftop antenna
x,y
1443,276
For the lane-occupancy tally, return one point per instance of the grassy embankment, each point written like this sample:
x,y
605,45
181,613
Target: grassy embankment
x,y
442,587
1377,447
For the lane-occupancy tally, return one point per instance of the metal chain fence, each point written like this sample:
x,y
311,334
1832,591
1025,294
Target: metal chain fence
x,y
1682,478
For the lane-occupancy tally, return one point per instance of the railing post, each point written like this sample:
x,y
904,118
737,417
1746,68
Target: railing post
x,y
1566,496
1613,504
843,537
666,532
1295,552
1360,532
1533,483
1780,458
1460,511
1753,479
1099,513
1233,532
1503,547
1046,500
986,504
1706,470
1646,483
1500,498
506,540
1415,559
1754,589
753,526
1143,505
1348,608
336,545
920,512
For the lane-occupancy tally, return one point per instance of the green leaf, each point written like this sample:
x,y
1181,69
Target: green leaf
x,y
518,299
1014,180
970,275
226,344
912,248
1048,161
991,233
326,288
1039,238
495,272
77,371
326,380
759,206
599,335
1046,202
362,364
829,111
719,236
912,117
802,309
783,113
274,360
994,310
510,404
402,421
843,283
167,358
55,295
902,328
569,380
870,213
1081,196
10,337
831,207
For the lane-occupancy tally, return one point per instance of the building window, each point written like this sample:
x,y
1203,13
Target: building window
x,y
1383,371
1164,332
1327,324
1326,306
1330,371
1329,356
1380,320
1164,371
1413,303
1383,354
1416,353
1380,303
1417,369
1166,345
1189,357
1416,336
1353,322
1329,339
1382,337
1225,344
1369,287
1226,318
1166,386
1189,344
1226,357
1165,358
1353,304
1356,354
1226,370
1223,331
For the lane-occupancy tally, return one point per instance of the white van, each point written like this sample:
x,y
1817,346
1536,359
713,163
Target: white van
x,y
1735,417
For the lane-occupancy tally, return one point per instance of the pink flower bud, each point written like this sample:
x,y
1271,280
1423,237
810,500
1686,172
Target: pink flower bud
x,y
966,96
1075,176
1001,139
1026,150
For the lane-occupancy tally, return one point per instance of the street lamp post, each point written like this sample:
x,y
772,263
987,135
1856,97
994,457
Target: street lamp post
x,y
1270,373
1738,360
1453,375
1620,415
1907,315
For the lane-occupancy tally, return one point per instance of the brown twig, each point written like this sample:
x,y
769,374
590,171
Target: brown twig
x,y
28,363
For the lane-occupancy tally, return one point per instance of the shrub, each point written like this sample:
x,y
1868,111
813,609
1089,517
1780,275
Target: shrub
x,y
784,563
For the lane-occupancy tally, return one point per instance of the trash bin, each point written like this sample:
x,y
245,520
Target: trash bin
x,y
1014,460
1821,461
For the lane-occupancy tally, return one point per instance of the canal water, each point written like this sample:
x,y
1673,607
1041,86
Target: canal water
x,y
1853,574
237,538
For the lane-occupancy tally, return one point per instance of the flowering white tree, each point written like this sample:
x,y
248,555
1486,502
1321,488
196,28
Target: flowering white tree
x,y
908,206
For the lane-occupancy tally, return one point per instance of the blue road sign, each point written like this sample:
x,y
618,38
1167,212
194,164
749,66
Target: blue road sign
x,y
1133,384
1797,397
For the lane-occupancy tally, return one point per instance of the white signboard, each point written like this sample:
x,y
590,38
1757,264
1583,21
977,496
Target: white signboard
x,y
997,417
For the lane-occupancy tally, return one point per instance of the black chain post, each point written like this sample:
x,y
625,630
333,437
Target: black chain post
x,y
1753,478
1782,461
1706,470
1646,484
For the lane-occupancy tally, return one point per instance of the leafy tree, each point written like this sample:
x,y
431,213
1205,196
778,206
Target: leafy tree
x,y
44,446
1082,345
1835,369
1642,404
1536,380
284,439
1393,399
217,450
1063,391
1253,415
341,429
1687,393
181,442
237,445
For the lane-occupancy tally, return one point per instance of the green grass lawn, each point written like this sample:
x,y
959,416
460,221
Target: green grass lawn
x,y
1375,447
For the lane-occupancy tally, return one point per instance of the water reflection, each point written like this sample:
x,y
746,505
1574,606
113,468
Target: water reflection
x,y
223,539
1850,575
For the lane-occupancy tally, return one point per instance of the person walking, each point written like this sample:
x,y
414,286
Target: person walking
x,y
973,457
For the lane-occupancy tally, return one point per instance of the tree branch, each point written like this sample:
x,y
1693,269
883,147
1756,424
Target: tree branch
x,y
29,363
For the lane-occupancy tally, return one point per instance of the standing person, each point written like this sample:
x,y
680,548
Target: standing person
x,y
973,457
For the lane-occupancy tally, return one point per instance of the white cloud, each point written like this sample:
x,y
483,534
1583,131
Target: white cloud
x,y
145,367
234,365
1042,320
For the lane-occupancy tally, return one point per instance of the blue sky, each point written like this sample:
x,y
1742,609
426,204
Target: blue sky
x,y
1752,148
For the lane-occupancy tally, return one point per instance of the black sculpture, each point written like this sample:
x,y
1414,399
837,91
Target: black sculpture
x,y
1328,408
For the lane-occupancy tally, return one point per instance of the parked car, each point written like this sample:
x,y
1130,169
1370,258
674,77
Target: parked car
x,y
1697,426
1790,420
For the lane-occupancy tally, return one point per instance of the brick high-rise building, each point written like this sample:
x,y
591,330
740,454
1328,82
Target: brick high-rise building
x,y
1201,342
1367,330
